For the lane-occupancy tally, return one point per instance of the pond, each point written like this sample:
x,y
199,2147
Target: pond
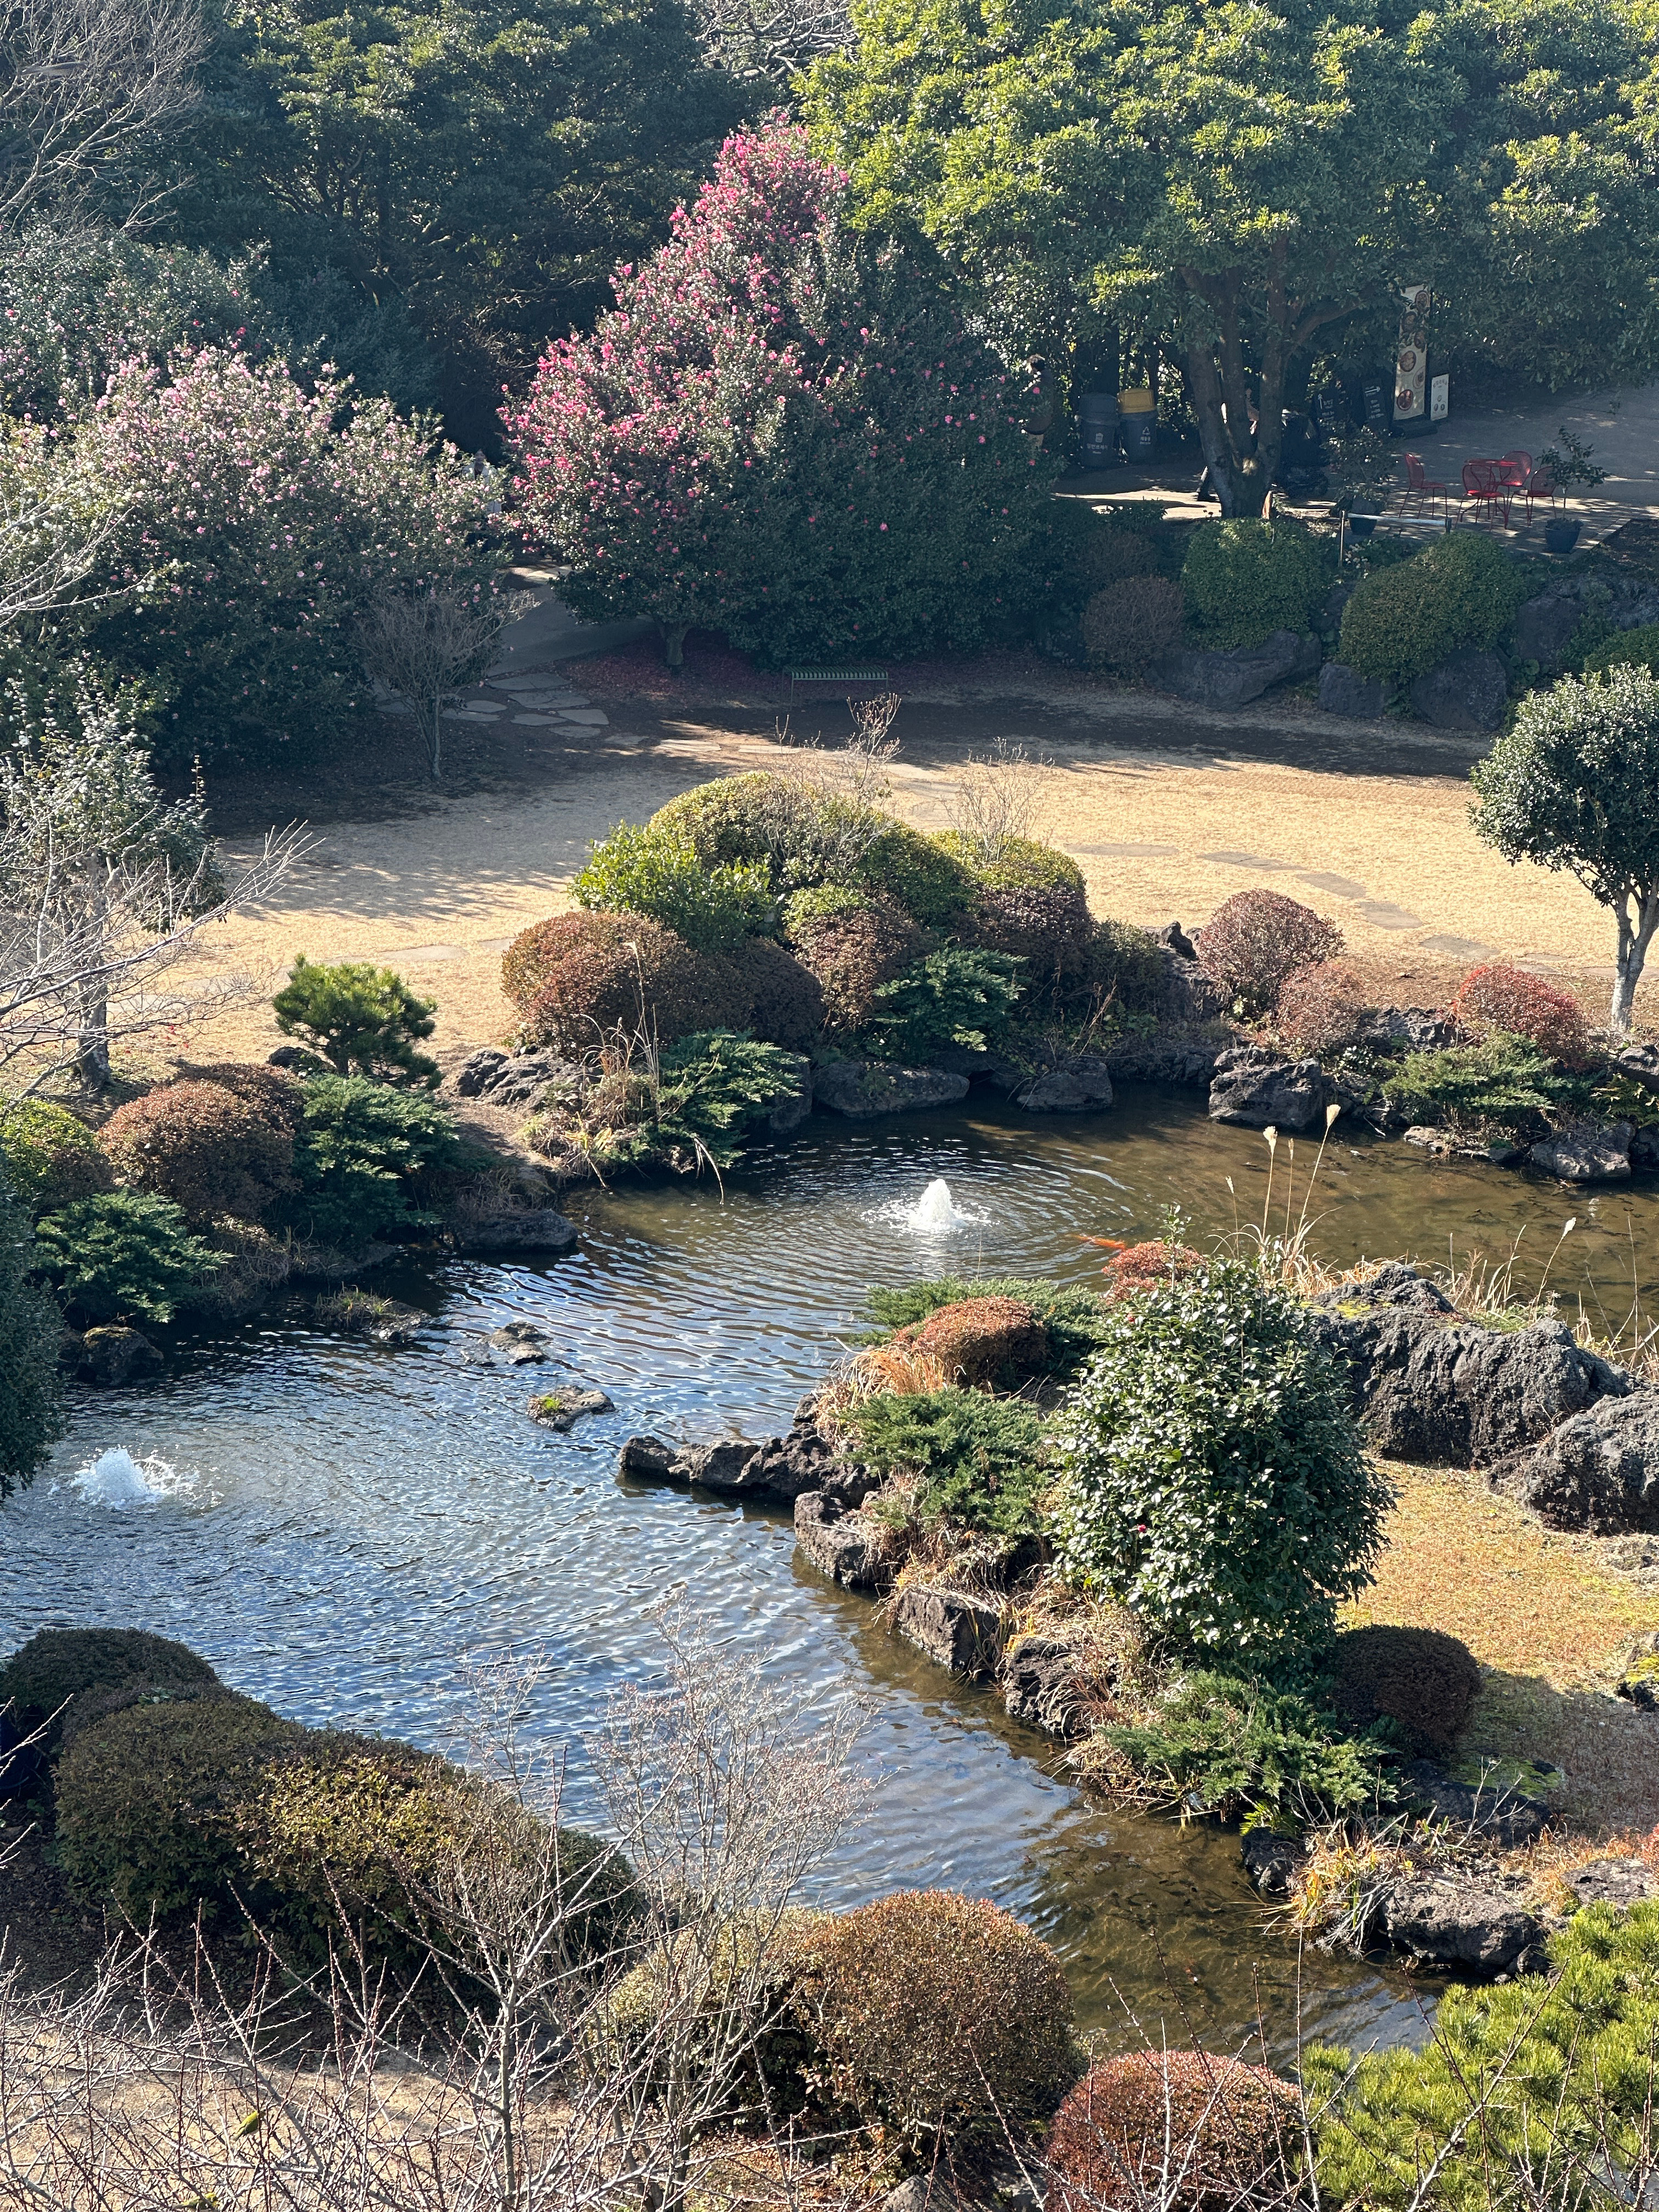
x,y
344,1522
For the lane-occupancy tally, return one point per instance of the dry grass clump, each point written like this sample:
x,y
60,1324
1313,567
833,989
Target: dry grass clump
x,y
1183,2131
1140,1268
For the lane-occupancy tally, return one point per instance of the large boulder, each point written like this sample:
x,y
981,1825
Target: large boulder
x,y
1255,1088
1419,1029
1343,690
783,1119
1586,1152
1184,1060
1272,1862
1458,1924
111,1355
1079,1083
952,1629
1041,1686
1501,1815
861,1088
1547,621
527,1228
1229,679
1598,1471
516,1079
1447,1394
1469,690
847,1546
1614,1881
727,1466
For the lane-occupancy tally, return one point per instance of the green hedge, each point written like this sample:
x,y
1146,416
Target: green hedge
x,y
59,1673
1461,591
1244,579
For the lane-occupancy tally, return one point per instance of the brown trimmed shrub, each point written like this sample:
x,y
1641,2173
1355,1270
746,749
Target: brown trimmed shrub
x,y
1181,2130
578,978
981,1343
1049,929
1255,940
208,1151
1109,556
73,1667
1323,1008
1147,1267
937,2016
853,952
1130,624
784,999
1419,1677
1499,997
280,1097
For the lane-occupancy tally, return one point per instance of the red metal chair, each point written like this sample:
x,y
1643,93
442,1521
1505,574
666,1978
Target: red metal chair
x,y
1516,467
1540,485
1484,483
1421,489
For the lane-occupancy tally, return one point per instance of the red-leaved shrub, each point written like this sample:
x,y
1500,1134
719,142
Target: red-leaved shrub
x,y
1498,997
1147,1267
1177,2129
1323,1008
280,1097
1048,927
783,1000
855,952
982,1341
203,1147
1130,624
579,978
1255,939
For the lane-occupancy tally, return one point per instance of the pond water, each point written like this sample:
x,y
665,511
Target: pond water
x,y
335,1524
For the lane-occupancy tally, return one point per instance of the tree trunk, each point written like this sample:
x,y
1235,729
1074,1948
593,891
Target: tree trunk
x,y
1633,942
1204,393
435,736
92,1047
673,641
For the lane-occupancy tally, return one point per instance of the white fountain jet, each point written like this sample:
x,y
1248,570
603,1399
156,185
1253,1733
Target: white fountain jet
x,y
935,1212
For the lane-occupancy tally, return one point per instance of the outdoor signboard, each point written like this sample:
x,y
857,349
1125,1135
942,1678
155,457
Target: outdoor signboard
x,y
1411,367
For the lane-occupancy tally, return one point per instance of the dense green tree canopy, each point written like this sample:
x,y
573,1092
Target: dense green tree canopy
x,y
486,164
1254,182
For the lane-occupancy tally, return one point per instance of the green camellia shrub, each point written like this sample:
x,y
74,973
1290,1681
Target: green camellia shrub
x,y
939,2018
1420,1678
1245,579
123,1255
1214,1478
61,1674
1182,2129
358,1020
50,1155
1461,590
210,1151
1632,648
368,1159
960,995
1538,2075
657,872
979,1461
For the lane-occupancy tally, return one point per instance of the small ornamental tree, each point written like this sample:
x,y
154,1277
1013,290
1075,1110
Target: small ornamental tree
x,y
1573,785
782,433
259,519
1215,1480
360,1020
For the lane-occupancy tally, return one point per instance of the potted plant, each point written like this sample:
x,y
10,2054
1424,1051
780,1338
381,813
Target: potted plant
x,y
1361,476
1567,464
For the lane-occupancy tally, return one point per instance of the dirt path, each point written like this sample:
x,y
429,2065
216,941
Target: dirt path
x,y
1168,811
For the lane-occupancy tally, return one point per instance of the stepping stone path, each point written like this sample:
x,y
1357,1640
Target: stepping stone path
x,y
545,702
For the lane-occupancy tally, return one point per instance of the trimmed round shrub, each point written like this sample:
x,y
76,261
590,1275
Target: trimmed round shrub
x,y
852,952
1049,930
579,978
1499,997
1244,579
1141,1267
371,1159
1179,2128
784,1001
937,2016
658,872
1322,1008
50,1158
149,1800
79,1668
1020,864
984,1343
272,1091
739,819
1461,590
1632,648
1129,624
744,1981
1216,1482
123,1254
1128,968
200,1144
1255,940
1419,1677
927,879
1107,556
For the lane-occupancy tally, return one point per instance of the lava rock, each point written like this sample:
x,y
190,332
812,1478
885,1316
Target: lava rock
x,y
1419,1029
1040,1686
1598,1471
1343,690
558,1409
1255,1088
1080,1083
516,1079
530,1229
1504,1815
1272,1862
805,1460
1231,678
1457,1924
1180,1060
1644,1151
1641,1063
727,1466
861,1088
1640,1680
1587,1151
1545,622
648,1459
846,1546
1616,1881
1449,1394
1394,1283
1174,939
1468,690
112,1355
1445,1144
520,1343
951,1629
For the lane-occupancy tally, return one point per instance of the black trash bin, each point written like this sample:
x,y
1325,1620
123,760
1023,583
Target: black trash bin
x,y
1096,415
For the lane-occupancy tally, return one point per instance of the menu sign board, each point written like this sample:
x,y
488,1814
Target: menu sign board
x,y
1411,365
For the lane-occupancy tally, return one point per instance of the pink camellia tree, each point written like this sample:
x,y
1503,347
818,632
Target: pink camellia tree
x,y
782,433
